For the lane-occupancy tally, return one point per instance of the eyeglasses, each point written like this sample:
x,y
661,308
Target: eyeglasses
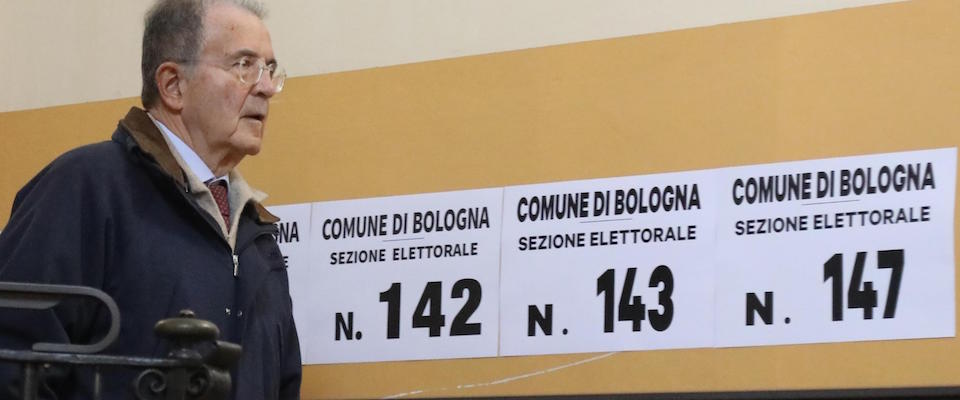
x,y
250,72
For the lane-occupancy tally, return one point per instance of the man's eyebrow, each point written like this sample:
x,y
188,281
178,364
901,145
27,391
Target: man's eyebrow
x,y
250,53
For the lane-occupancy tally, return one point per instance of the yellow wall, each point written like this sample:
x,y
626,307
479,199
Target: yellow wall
x,y
866,80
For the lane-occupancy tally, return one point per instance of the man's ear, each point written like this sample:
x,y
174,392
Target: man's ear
x,y
169,78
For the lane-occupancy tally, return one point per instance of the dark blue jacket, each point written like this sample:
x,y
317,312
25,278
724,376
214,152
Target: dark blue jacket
x,y
119,216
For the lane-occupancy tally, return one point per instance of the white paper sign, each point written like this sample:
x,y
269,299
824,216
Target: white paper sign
x,y
608,264
404,278
844,249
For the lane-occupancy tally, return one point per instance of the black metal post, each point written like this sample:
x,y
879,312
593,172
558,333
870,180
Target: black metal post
x,y
30,381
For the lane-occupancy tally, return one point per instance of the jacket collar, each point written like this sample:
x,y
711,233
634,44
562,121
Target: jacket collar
x,y
150,140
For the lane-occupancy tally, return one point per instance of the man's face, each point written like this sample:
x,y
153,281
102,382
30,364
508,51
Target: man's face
x,y
222,114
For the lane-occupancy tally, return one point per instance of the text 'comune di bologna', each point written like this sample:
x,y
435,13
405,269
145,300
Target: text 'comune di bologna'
x,y
825,187
608,203
384,226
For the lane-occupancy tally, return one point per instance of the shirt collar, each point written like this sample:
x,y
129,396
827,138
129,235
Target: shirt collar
x,y
190,157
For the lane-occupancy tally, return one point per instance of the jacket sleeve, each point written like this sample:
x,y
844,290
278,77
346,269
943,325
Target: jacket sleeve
x,y
51,238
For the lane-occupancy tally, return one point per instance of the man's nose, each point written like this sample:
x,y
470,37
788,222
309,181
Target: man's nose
x,y
265,87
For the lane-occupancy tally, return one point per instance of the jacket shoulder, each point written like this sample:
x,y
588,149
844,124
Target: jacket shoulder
x,y
75,169
90,158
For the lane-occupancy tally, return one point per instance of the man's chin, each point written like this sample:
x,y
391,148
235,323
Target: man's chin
x,y
252,149
249,145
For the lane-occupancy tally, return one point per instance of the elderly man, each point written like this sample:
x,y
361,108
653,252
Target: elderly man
x,y
158,217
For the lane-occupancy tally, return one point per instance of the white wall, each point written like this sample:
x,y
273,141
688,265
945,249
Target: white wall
x,y
63,52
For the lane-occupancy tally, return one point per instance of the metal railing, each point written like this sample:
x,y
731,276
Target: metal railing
x,y
197,366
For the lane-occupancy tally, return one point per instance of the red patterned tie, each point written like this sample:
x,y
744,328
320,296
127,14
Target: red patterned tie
x,y
219,190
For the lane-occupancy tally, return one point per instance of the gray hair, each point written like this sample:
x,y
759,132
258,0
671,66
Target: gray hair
x,y
173,31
